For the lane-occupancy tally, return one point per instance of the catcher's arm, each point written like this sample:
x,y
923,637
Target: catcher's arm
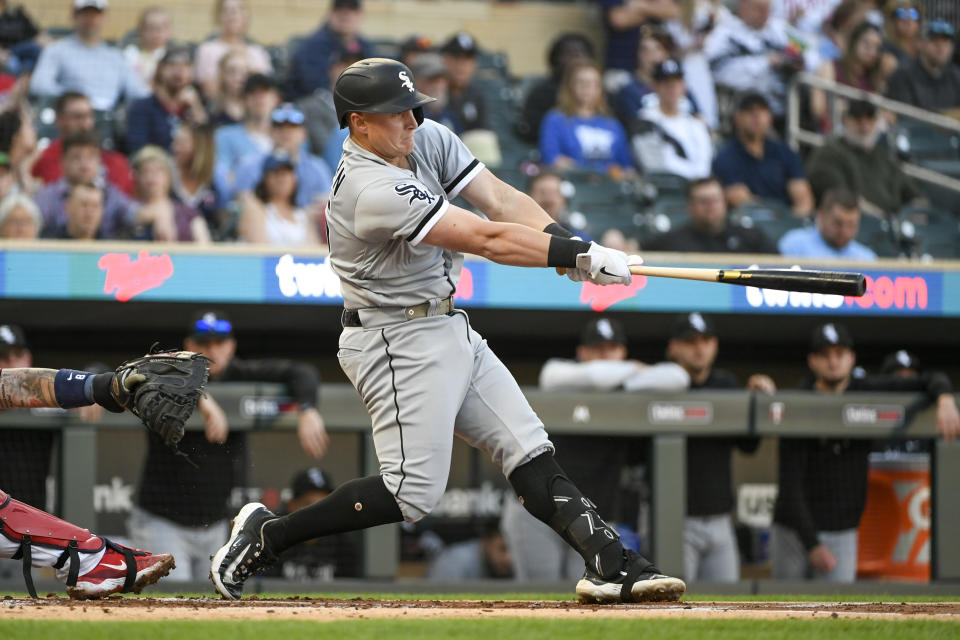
x,y
23,388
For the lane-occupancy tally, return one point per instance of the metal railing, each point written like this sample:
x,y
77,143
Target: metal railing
x,y
797,135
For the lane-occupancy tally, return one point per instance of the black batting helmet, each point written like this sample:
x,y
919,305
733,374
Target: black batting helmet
x,y
377,85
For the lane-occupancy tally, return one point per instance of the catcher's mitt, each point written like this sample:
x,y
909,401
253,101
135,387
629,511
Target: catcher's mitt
x,y
162,389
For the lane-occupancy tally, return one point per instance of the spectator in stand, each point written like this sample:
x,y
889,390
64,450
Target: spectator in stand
x,y
19,42
856,161
271,214
808,16
84,62
689,33
18,141
837,224
580,133
75,113
485,557
320,559
931,81
709,543
565,50
412,47
753,166
903,33
667,139
162,218
233,16
151,120
311,62
550,192
753,51
289,135
861,67
81,166
835,31
236,141
153,36
322,126
709,230
183,507
655,47
193,158
601,364
20,218
431,75
228,105
82,215
622,20
823,481
468,100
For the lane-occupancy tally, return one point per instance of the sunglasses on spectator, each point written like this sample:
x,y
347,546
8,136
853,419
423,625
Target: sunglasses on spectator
x,y
217,326
287,114
906,14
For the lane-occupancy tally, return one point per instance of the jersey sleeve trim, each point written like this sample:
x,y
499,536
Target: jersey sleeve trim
x,y
433,217
462,180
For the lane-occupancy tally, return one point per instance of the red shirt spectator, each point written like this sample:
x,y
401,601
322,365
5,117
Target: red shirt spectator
x,y
74,113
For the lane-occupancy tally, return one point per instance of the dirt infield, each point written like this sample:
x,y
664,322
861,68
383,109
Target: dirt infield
x,y
298,608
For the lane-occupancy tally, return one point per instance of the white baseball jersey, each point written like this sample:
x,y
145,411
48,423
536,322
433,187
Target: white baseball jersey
x,y
378,214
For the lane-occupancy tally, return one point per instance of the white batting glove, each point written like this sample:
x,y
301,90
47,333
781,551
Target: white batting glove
x,y
601,265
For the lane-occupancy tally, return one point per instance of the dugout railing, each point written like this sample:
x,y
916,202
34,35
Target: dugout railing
x,y
666,418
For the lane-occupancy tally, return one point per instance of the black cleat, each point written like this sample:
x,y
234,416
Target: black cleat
x,y
244,553
637,581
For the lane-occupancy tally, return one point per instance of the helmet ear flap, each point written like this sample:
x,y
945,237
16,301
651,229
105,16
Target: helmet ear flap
x,y
418,115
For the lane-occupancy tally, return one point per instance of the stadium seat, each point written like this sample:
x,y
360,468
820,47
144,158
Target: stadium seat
x,y
937,232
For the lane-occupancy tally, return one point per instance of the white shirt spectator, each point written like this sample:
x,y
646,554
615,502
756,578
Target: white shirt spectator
x,y
281,231
678,144
740,57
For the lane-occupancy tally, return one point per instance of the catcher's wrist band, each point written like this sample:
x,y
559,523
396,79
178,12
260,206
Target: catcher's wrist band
x,y
73,389
563,252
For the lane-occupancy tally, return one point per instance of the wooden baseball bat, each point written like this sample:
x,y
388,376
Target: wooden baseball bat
x,y
827,282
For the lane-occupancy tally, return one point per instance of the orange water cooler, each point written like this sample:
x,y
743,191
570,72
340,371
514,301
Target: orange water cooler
x,y
894,532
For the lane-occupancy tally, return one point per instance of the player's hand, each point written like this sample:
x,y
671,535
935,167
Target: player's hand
x,y
761,382
821,559
215,427
312,433
601,265
948,418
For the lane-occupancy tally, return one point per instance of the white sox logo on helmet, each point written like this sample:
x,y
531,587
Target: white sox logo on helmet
x,y
407,82
413,192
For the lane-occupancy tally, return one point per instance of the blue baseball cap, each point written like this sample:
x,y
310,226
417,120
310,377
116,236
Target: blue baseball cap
x,y
287,113
211,325
277,160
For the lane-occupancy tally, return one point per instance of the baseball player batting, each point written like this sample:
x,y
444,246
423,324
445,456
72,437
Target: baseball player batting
x,y
93,566
424,374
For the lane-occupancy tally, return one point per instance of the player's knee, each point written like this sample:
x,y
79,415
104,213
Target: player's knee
x,y
417,498
533,482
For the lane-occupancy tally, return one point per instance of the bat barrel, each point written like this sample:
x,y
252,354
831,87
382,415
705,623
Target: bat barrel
x,y
826,282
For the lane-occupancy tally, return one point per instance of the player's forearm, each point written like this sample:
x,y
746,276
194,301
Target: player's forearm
x,y
519,208
516,245
24,388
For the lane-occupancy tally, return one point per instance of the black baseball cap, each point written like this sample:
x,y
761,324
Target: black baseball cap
x,y
829,335
901,359
11,336
210,325
752,99
416,43
862,109
258,82
312,479
691,324
602,330
667,69
940,29
460,44
177,53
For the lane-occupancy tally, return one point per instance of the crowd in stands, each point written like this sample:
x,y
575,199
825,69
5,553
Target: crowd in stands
x,y
225,140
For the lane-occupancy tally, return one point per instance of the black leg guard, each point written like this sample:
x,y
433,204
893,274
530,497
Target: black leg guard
x,y
550,496
26,557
